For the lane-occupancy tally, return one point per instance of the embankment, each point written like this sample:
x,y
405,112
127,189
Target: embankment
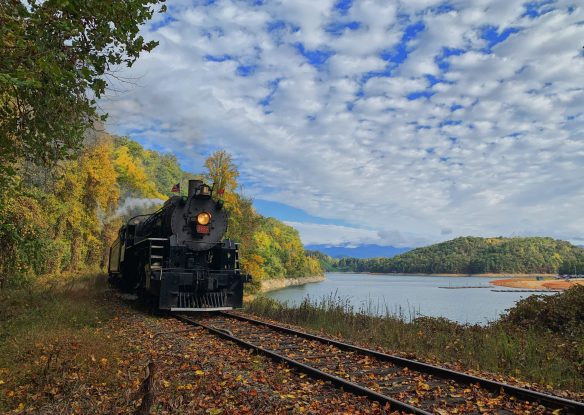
x,y
276,284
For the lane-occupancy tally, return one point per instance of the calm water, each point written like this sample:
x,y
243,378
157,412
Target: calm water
x,y
410,295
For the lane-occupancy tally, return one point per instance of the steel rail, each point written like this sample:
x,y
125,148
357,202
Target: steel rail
x,y
314,372
556,402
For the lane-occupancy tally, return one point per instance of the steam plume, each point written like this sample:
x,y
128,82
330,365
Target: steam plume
x,y
132,204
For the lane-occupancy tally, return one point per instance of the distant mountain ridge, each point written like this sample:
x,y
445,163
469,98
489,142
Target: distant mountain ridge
x,y
360,251
474,255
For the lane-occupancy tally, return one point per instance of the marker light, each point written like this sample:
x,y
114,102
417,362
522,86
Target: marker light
x,y
203,218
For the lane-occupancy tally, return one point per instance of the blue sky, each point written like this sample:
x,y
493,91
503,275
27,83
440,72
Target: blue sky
x,y
395,123
291,214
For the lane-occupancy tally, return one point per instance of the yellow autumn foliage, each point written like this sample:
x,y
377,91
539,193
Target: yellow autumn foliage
x,y
64,224
132,174
66,219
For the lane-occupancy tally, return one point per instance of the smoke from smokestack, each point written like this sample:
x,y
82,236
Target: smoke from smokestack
x,y
131,204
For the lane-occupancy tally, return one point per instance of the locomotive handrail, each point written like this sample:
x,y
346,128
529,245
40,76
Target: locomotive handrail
x,y
150,239
209,271
201,242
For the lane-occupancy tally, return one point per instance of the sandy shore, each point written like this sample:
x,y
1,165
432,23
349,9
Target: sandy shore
x,y
533,284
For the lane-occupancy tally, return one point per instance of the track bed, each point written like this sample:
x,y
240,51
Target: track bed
x,y
407,385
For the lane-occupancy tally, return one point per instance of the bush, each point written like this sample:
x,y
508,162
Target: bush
x,y
562,313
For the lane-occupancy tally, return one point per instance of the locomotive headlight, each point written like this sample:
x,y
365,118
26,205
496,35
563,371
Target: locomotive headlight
x,y
203,218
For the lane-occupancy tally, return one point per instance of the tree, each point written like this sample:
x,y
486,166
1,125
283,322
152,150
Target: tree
x,y
56,57
68,225
132,175
222,172
470,255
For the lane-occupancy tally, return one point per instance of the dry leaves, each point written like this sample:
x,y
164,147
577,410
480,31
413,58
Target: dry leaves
x,y
196,373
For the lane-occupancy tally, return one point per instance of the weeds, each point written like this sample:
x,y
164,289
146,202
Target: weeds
x,y
531,342
46,332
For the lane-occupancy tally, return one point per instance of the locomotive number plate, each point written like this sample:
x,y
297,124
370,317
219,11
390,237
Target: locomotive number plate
x,y
202,228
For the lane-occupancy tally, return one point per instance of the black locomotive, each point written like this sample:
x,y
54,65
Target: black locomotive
x,y
176,256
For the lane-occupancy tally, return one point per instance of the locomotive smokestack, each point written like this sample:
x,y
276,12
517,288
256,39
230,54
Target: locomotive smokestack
x,y
193,185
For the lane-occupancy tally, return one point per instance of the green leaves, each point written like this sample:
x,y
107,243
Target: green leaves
x,y
86,72
53,54
473,255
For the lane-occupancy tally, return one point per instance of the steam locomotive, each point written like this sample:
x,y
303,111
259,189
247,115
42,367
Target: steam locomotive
x,y
176,256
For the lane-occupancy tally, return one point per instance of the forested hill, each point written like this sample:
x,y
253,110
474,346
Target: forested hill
x,y
64,218
473,255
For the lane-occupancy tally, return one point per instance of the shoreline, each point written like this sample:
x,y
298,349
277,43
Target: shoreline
x,y
524,281
277,284
549,284
420,274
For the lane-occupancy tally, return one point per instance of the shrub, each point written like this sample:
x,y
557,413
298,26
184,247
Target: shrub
x,y
562,313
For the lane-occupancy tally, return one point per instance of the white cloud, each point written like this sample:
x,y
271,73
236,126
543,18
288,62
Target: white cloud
x,y
495,147
335,235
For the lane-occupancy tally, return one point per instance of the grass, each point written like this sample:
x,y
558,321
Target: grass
x,y
57,346
523,345
51,331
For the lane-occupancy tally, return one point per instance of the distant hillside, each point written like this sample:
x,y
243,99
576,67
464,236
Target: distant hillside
x,y
473,255
361,251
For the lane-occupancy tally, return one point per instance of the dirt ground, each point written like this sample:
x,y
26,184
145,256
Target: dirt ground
x,y
162,366
533,284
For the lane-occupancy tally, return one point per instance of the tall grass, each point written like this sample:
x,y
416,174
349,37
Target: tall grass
x,y
47,330
530,351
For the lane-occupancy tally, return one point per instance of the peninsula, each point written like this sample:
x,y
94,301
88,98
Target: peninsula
x,y
516,256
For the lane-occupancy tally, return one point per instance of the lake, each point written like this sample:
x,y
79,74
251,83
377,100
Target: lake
x,y
410,295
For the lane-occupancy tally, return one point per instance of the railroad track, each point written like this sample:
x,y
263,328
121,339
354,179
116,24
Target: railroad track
x,y
406,385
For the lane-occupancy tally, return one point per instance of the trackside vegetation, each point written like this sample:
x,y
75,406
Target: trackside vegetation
x,y
540,340
63,220
52,330
473,255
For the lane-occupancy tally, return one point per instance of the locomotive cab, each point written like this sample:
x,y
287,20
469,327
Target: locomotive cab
x,y
203,192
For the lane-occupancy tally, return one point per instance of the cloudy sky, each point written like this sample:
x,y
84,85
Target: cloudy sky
x,y
392,122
